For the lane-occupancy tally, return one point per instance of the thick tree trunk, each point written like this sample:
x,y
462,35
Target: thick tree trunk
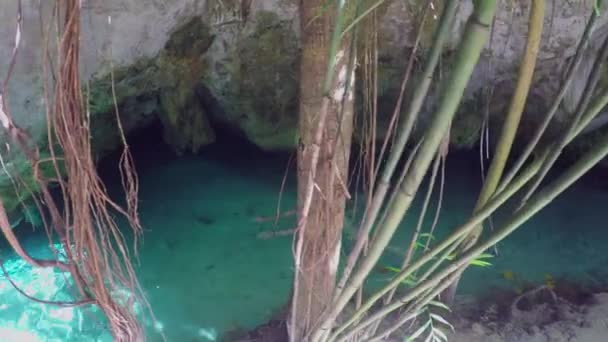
x,y
325,218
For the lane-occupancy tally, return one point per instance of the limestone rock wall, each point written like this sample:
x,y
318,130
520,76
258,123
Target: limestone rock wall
x,y
250,66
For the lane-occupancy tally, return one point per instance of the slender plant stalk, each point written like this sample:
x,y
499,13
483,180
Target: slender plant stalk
x,y
401,321
533,206
417,306
454,238
516,108
580,110
413,242
400,178
595,109
404,82
509,128
404,131
475,37
571,73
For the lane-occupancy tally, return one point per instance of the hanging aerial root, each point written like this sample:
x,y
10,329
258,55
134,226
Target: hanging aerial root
x,y
95,251
99,246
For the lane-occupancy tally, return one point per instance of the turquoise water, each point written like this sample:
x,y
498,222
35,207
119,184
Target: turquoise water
x,y
205,272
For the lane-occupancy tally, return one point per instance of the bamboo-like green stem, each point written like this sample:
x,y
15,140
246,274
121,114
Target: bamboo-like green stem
x,y
511,124
440,260
333,47
387,332
556,102
454,238
362,16
413,242
533,206
403,134
595,109
580,110
426,298
475,37
404,83
516,107
400,179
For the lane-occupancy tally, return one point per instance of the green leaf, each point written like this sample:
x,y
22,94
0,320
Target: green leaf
x,y
477,261
485,256
440,334
418,332
429,235
410,280
480,263
442,320
440,305
392,269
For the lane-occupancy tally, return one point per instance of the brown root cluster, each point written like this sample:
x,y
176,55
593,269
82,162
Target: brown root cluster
x,y
94,249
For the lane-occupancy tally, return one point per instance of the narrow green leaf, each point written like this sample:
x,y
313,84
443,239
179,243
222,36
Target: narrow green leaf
x,y
429,235
485,256
440,305
442,320
392,269
480,263
410,282
418,332
476,261
440,334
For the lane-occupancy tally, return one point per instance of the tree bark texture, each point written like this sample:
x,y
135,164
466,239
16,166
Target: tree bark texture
x,y
324,222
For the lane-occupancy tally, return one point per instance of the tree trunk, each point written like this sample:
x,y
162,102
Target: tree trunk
x,y
324,220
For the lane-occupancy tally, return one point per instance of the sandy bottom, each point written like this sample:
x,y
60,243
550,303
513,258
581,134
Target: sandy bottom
x,y
551,321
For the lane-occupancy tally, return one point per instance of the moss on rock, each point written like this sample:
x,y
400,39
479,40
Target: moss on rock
x,y
260,99
467,123
18,184
136,87
162,87
185,122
